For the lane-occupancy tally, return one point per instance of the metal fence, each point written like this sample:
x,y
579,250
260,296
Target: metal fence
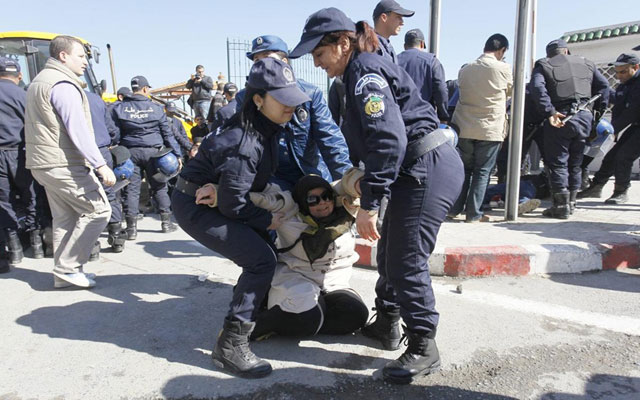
x,y
238,66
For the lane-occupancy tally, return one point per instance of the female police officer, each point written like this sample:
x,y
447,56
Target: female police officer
x,y
394,132
240,159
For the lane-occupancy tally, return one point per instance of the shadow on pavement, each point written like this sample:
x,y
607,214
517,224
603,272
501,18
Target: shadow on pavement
x,y
607,280
582,231
603,386
176,249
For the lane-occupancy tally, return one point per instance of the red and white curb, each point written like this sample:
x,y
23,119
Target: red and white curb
x,y
520,260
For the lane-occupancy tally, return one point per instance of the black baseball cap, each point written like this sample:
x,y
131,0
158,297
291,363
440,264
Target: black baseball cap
x,y
412,35
319,24
230,88
556,44
387,6
9,65
276,78
125,91
138,82
170,106
626,59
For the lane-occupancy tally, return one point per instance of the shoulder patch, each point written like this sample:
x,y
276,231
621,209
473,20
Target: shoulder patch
x,y
370,78
302,114
374,105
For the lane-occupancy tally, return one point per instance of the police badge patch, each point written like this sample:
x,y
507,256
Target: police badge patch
x,y
302,114
288,75
374,105
259,40
367,79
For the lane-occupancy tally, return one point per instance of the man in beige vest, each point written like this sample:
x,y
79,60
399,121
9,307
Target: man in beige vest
x,y
62,156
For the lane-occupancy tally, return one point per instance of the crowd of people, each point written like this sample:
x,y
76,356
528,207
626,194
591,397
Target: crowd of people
x,y
276,168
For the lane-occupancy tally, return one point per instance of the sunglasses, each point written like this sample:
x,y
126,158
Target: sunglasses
x,y
314,200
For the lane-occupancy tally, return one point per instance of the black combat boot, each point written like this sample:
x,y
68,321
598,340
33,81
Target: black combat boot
x,y
4,263
594,190
586,181
420,358
385,328
117,237
95,252
573,202
166,224
132,227
14,245
560,208
36,243
47,241
619,195
232,352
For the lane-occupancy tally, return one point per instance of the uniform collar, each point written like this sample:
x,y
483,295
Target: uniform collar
x,y
265,126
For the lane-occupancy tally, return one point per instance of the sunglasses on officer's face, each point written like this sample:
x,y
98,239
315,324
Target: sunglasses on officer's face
x,y
314,200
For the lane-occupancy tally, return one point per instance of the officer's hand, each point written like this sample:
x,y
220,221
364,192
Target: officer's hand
x,y
206,195
556,120
276,221
366,225
108,178
193,151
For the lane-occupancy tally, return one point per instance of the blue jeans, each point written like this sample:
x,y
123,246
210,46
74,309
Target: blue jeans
x,y
479,158
201,108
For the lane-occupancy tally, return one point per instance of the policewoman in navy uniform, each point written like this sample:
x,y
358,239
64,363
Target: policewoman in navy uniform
x,y
240,159
390,128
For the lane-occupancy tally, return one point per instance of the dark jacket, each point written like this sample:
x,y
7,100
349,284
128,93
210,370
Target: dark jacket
x,y
200,90
217,102
385,49
12,103
428,74
314,140
384,113
223,115
142,123
180,135
103,127
626,105
239,161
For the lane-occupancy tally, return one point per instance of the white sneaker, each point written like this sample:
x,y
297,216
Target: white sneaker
x,y
76,279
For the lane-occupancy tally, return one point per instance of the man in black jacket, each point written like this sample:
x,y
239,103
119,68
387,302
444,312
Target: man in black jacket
x,y
200,85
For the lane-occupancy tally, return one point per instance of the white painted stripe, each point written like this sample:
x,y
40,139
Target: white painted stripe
x,y
614,323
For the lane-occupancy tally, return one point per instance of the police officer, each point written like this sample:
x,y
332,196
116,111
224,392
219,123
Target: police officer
x,y
178,129
227,111
107,135
387,21
240,159
393,131
217,102
16,182
560,83
426,71
144,130
626,122
311,143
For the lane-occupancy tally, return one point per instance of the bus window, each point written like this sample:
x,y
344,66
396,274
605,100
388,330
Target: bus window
x,y
15,49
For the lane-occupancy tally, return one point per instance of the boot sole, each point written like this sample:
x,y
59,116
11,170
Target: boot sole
x,y
243,374
390,345
408,380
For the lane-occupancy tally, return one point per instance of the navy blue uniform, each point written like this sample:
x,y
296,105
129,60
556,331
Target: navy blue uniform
x,y
562,91
385,49
428,74
224,114
385,115
625,114
16,182
311,143
144,129
180,135
239,161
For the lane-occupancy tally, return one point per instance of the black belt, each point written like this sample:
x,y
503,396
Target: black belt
x,y
186,187
422,146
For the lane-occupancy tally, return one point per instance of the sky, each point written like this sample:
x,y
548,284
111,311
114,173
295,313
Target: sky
x,y
164,40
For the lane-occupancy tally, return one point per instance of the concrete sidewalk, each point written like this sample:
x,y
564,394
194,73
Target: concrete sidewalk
x,y
597,237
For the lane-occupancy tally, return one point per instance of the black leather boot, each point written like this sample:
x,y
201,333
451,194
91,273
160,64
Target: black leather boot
x,y
619,195
36,243
586,181
560,208
14,245
420,358
132,227
594,190
95,252
117,237
385,328
166,224
232,352
573,202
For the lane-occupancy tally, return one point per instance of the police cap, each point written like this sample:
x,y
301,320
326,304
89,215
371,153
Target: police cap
x,y
387,6
170,107
230,88
556,44
626,59
414,34
267,43
319,24
9,65
138,82
125,91
276,78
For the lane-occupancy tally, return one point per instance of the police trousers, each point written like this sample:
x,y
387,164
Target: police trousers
x,y
16,191
417,207
112,196
564,149
619,160
143,161
80,212
250,249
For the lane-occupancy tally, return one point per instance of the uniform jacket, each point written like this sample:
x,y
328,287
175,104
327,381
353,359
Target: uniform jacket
x,y
200,90
142,123
315,141
385,49
103,127
48,144
224,114
428,74
180,135
239,160
384,113
626,105
12,103
217,102
484,86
